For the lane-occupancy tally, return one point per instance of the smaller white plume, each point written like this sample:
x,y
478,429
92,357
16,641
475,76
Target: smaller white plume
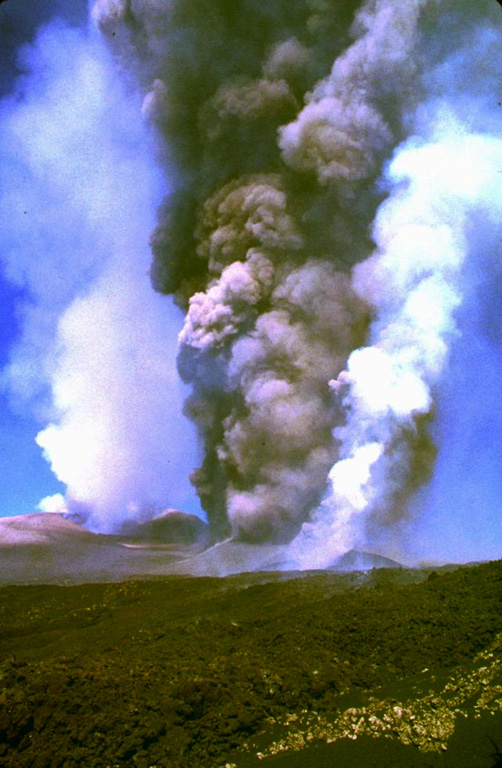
x,y
55,504
414,283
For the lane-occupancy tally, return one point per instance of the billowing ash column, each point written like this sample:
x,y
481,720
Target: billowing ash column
x,y
313,339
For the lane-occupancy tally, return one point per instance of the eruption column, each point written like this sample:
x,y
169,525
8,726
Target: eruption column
x,y
275,142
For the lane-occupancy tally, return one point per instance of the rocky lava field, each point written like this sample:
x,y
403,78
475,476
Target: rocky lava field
x,y
388,667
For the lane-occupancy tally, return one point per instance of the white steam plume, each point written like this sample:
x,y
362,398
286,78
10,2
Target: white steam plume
x,y
97,352
414,282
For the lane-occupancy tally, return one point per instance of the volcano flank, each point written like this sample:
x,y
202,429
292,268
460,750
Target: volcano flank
x,y
388,667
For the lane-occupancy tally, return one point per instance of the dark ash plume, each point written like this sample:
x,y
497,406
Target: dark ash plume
x,y
247,246
313,371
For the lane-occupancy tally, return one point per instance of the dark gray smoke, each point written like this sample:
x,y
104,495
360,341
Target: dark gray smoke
x,y
271,211
276,121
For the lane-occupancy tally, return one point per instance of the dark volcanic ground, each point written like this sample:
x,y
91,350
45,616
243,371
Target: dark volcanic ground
x,y
393,667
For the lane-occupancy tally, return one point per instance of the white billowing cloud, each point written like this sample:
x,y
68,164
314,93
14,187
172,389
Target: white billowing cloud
x,y
52,504
437,187
97,354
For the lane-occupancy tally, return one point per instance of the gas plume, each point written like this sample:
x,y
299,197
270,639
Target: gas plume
x,y
333,192
96,357
413,281
314,340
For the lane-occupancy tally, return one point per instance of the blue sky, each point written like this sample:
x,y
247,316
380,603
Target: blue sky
x,y
25,475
